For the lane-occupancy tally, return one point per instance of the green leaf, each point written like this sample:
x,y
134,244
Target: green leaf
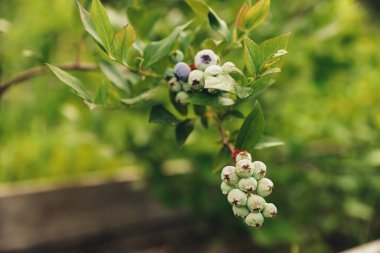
x,y
103,26
183,130
101,94
88,24
260,85
123,40
243,91
199,98
142,20
157,50
218,24
118,75
222,159
142,97
251,130
199,7
256,14
160,115
71,81
251,53
206,13
268,142
269,47
200,110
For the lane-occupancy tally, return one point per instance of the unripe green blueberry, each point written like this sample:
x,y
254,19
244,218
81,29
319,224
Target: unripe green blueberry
x,y
228,67
169,73
226,188
237,198
186,86
243,155
244,168
181,97
212,91
225,100
176,56
196,80
248,185
259,169
255,203
205,58
174,85
264,187
229,175
254,219
214,70
240,211
270,210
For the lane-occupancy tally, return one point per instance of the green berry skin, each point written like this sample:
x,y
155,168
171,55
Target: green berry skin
x,y
226,101
176,56
248,185
270,210
259,170
174,85
255,203
226,188
214,70
229,175
181,97
244,168
243,155
237,198
254,220
228,67
240,211
264,187
196,80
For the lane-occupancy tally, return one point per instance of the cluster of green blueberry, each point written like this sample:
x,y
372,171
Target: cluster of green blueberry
x,y
205,75
245,187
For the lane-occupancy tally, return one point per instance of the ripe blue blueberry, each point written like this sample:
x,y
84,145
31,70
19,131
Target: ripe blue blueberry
x,y
205,58
182,71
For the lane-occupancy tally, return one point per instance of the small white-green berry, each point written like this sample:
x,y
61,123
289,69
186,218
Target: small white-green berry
x,y
181,97
225,101
228,67
205,58
254,219
186,86
226,188
214,71
255,203
174,85
196,80
243,155
248,185
229,175
264,187
244,168
259,170
270,210
237,198
240,211
176,56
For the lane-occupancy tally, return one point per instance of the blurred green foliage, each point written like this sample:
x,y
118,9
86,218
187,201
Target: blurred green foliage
x,y
325,107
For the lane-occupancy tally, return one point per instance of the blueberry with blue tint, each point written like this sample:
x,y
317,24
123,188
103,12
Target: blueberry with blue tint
x,y
182,71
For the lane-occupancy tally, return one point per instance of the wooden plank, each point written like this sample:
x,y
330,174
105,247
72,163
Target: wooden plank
x,y
72,215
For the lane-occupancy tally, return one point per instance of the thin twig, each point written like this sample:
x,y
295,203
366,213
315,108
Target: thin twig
x,y
225,139
33,72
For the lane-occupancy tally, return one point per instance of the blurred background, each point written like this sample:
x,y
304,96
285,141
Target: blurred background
x,y
325,106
